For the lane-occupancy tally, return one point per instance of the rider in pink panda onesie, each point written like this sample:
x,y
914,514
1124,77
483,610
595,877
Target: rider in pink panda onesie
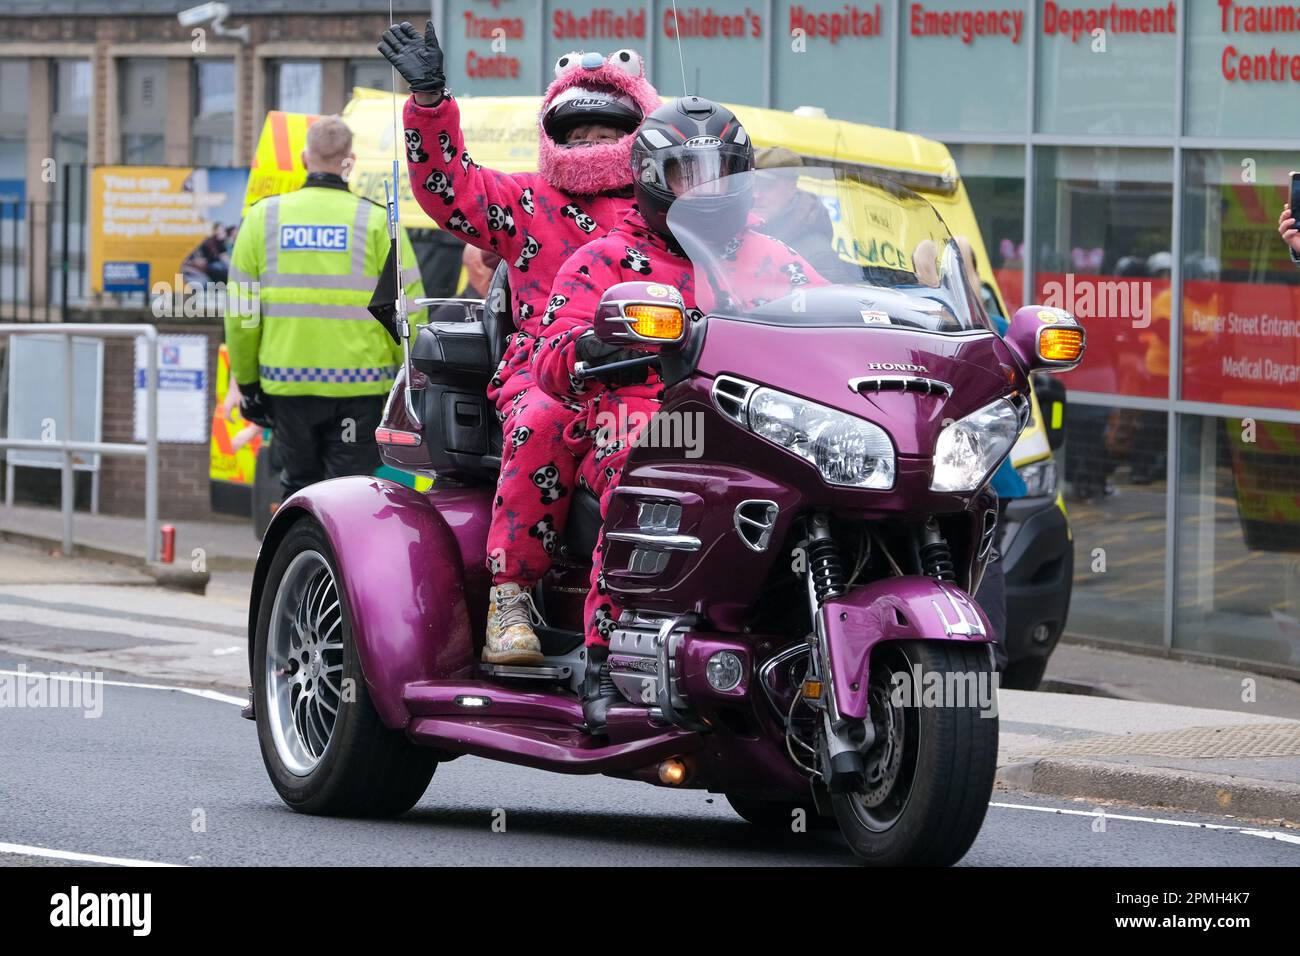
x,y
534,221
640,249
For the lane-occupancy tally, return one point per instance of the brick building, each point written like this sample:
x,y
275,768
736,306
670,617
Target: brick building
x,y
100,82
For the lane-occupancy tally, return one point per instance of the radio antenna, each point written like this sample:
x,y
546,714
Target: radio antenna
x,y
681,60
391,197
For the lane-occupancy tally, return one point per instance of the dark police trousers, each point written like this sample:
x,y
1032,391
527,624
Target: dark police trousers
x,y
315,438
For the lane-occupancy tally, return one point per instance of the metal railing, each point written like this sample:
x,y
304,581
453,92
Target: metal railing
x,y
148,451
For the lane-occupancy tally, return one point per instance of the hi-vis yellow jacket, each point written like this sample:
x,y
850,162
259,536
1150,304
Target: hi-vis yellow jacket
x,y
302,272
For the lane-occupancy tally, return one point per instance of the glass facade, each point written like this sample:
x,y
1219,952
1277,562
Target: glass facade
x,y
70,121
995,181
990,53
1116,476
1107,69
1238,582
372,74
295,86
212,132
1103,221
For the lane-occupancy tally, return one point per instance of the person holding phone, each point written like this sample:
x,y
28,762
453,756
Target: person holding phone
x,y
1286,223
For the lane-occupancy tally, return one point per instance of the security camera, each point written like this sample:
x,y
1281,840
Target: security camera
x,y
203,14
214,13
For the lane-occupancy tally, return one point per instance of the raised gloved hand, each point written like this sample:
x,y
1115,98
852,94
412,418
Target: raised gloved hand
x,y
417,58
253,406
595,353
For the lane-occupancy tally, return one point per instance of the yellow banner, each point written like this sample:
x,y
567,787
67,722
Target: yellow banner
x,y
146,220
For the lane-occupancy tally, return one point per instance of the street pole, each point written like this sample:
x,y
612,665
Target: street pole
x,y
68,486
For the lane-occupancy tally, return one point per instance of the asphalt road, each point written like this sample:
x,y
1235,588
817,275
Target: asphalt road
x,y
173,775
166,776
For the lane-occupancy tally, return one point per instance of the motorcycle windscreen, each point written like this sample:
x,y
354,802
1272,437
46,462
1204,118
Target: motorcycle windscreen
x,y
811,245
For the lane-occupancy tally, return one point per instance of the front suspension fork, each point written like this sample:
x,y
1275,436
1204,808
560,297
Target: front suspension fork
x,y
846,740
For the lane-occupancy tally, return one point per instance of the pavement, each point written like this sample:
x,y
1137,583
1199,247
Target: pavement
x,y
226,544
1147,731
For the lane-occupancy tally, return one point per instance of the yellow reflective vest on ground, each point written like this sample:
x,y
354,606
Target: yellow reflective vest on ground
x,y
302,272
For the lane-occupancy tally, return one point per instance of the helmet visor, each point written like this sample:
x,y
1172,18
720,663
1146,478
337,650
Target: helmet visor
x,y
701,171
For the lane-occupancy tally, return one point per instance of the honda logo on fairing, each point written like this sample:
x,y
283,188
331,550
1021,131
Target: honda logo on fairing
x,y
895,367
703,142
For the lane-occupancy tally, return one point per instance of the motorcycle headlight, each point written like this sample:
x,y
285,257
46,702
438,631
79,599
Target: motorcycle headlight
x,y
1039,478
968,450
847,450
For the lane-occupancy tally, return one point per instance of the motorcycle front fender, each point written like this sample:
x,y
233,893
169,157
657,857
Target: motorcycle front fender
x,y
908,608
401,558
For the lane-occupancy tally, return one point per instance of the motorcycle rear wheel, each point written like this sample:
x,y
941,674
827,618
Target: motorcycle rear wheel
x,y
325,747
930,772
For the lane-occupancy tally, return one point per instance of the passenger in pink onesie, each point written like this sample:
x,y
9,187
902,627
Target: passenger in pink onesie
x,y
534,221
642,249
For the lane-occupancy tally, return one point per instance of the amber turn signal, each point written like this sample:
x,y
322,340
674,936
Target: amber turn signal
x,y
1060,344
656,321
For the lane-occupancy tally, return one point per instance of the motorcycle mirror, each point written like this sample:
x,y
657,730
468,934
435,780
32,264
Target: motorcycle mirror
x,y
1046,338
649,316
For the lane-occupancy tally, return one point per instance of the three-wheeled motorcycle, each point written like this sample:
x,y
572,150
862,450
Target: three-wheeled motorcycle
x,y
792,546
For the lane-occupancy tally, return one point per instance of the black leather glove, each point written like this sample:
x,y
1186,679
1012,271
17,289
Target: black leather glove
x,y
253,405
417,58
595,353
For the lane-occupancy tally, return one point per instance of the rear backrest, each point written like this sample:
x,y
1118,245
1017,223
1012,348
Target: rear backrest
x,y
498,315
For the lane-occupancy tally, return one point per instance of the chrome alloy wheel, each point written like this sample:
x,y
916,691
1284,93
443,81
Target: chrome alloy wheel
x,y
304,662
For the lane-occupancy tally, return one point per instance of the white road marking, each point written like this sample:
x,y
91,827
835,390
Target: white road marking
x,y
80,621
193,691
48,854
1267,834
1270,835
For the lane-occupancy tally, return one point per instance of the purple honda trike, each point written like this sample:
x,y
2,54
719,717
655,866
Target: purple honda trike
x,y
793,546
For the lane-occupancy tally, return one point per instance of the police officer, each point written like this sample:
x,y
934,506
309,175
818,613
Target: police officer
x,y
308,358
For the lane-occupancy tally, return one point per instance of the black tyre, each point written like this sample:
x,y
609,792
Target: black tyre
x,y
930,772
325,748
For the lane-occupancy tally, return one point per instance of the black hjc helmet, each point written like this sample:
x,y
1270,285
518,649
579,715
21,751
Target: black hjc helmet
x,y
682,146
582,104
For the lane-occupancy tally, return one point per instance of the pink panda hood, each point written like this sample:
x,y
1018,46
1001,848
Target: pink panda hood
x,y
588,170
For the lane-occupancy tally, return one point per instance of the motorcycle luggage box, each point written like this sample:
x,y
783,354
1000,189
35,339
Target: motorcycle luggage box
x,y
460,426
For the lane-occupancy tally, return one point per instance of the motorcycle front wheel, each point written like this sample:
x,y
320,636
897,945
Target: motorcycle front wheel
x,y
929,773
